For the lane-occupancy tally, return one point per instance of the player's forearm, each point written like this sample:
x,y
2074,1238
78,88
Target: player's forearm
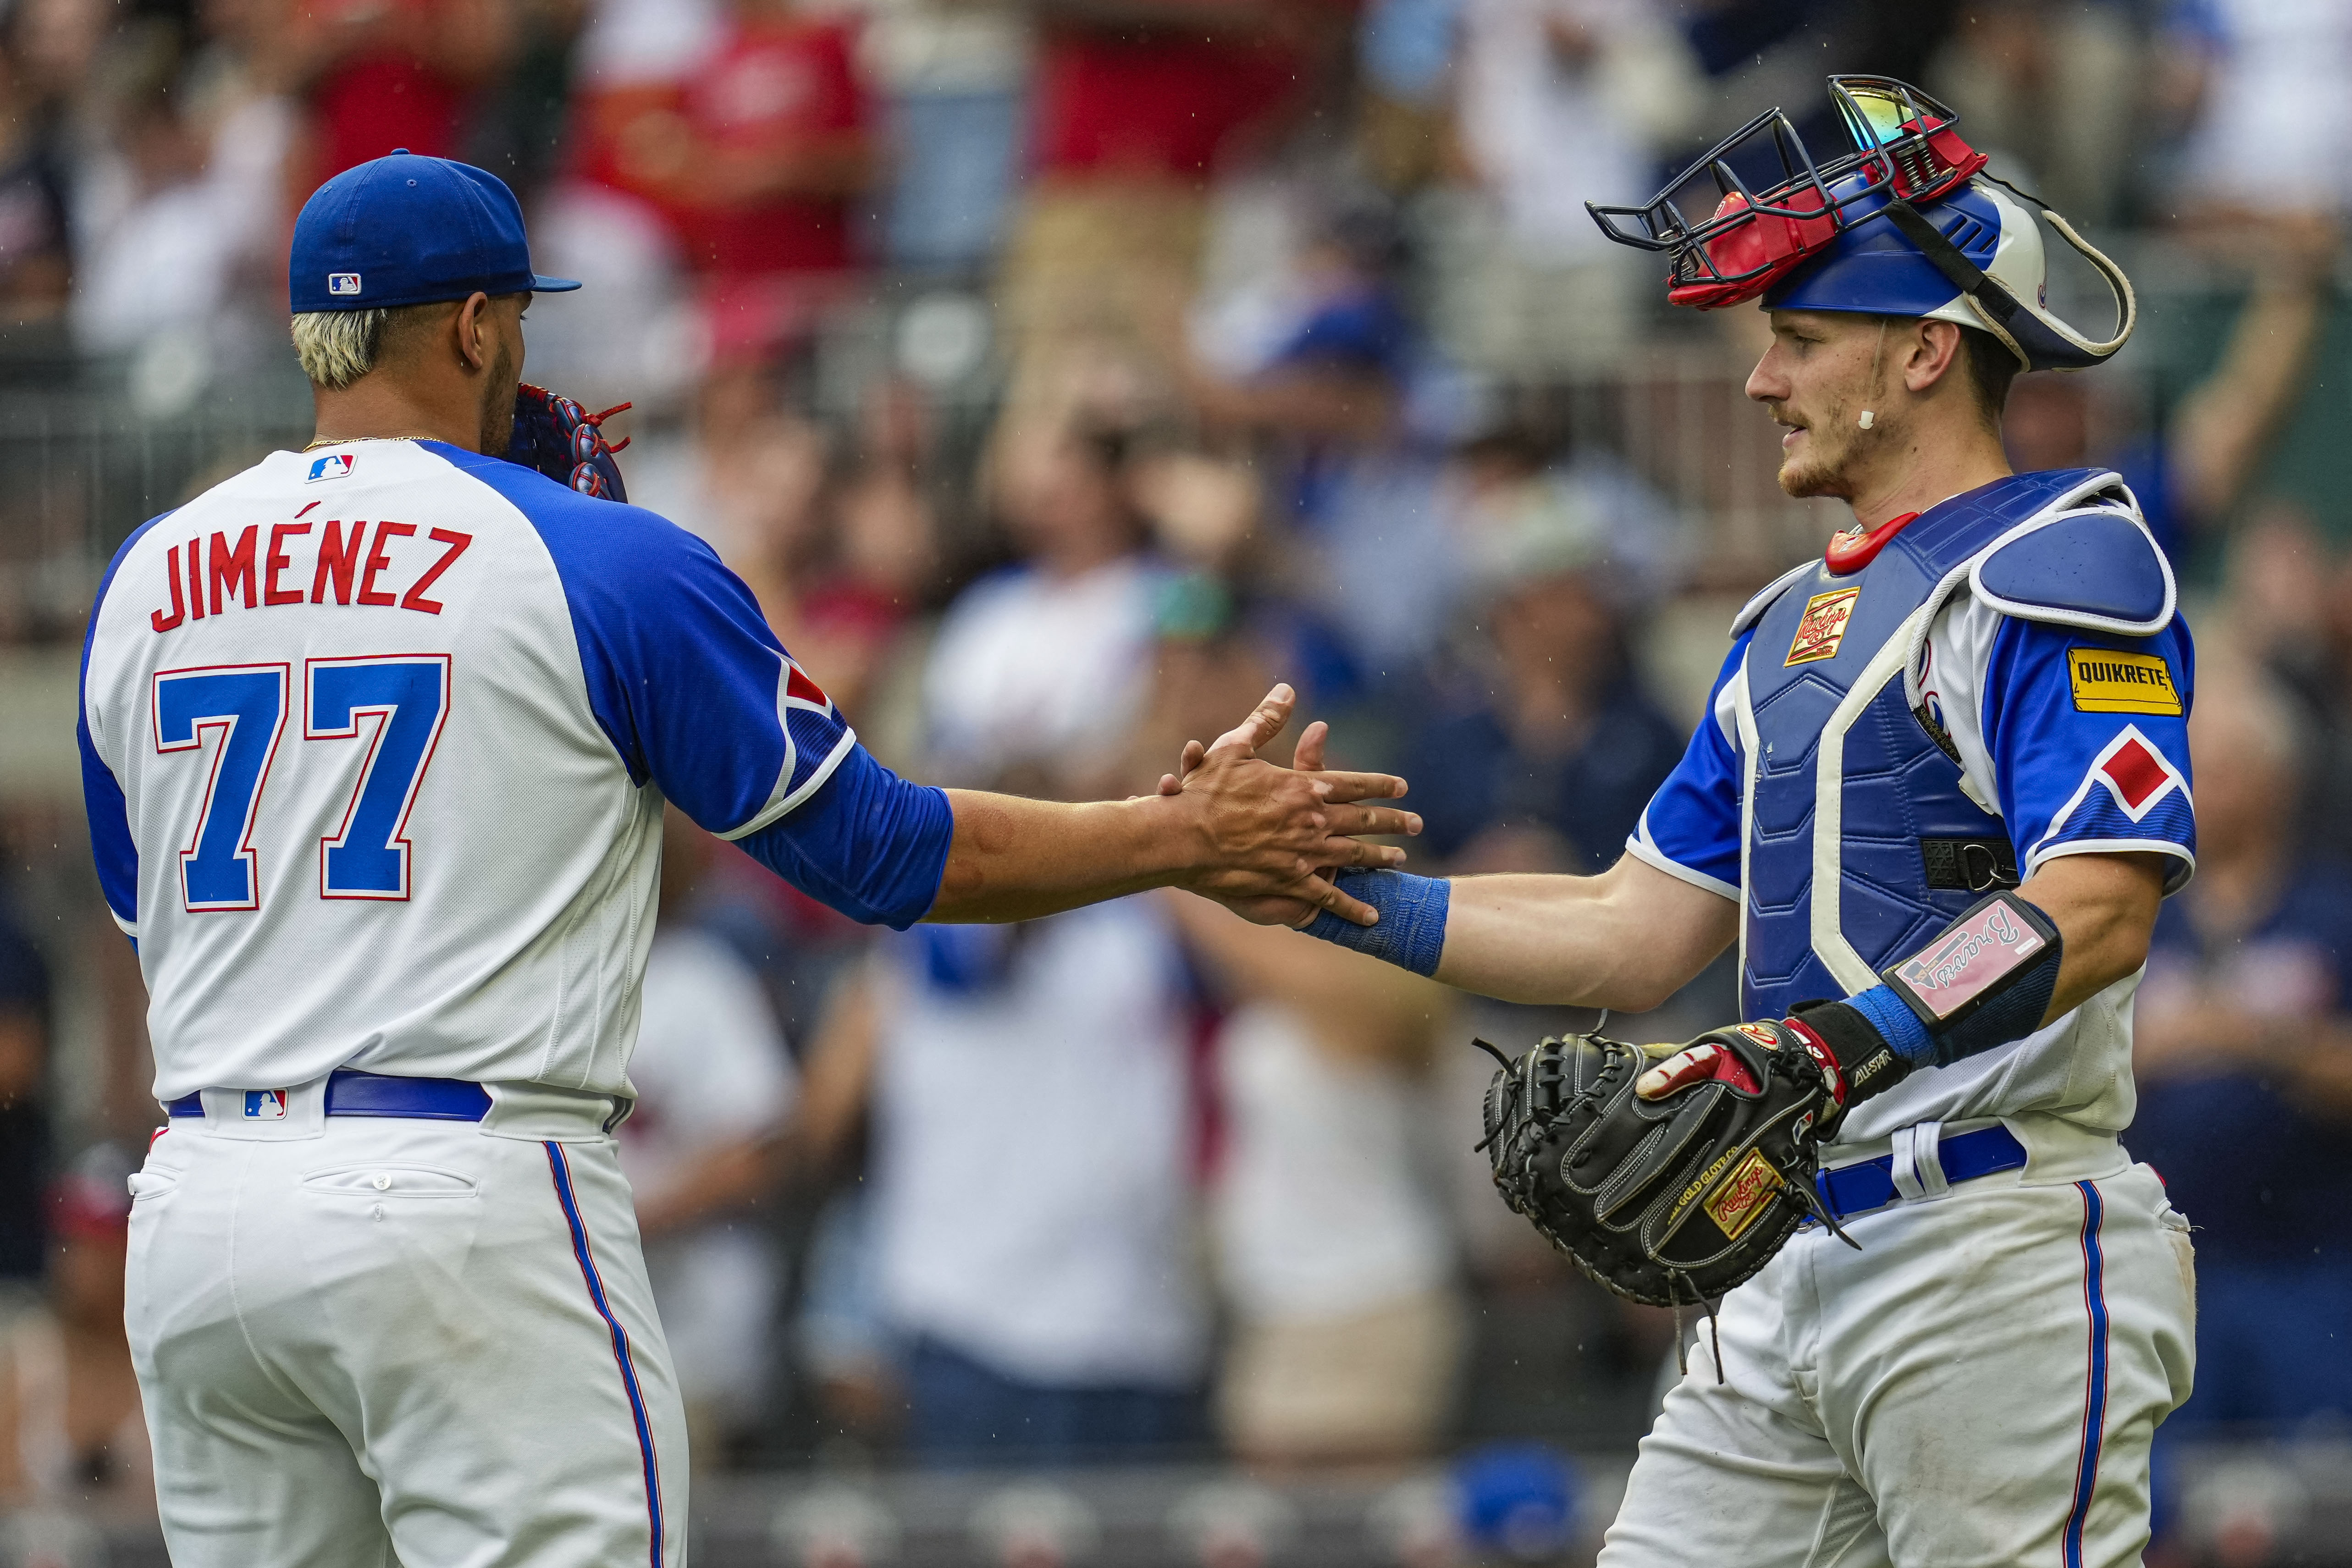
x,y
1627,938
2105,908
1015,860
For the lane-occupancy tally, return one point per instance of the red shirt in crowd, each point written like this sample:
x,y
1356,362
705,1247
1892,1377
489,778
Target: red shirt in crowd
x,y
1161,100
399,73
780,87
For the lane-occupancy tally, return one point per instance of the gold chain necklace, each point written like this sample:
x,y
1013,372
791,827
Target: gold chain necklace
x,y
348,440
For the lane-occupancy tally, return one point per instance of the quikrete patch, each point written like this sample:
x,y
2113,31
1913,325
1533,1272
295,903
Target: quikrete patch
x,y
2106,681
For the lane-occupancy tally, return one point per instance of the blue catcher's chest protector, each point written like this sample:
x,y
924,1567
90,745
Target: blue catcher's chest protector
x,y
1859,841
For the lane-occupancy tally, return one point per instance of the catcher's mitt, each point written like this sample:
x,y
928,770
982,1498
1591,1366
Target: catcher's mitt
x,y
565,442
1670,1201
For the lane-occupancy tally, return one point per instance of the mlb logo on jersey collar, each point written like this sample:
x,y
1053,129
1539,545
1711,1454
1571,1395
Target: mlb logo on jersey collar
x,y
334,465
265,1105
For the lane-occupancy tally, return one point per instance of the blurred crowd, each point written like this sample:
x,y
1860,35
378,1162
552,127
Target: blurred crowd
x,y
1062,373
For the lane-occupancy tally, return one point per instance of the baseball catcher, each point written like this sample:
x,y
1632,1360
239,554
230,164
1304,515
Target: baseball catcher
x,y
1939,791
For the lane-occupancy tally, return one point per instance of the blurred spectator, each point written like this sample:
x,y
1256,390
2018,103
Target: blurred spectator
x,y
154,203
2272,127
857,588
197,168
956,74
2055,92
1541,751
1334,1256
1031,1188
1347,1329
1039,669
24,1106
1560,102
1321,372
1137,104
36,252
746,474
2244,1056
1404,54
517,128
1028,1083
754,156
385,74
2192,469
71,1428
701,1149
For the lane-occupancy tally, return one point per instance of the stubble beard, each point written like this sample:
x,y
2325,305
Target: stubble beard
x,y
498,405
1820,468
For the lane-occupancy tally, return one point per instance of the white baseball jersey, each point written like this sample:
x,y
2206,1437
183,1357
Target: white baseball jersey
x,y
375,741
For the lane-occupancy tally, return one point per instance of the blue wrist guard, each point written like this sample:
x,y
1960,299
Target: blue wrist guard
x,y
1412,932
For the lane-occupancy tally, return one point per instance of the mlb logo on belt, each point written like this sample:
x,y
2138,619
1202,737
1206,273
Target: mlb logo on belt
x,y
334,466
265,1105
342,282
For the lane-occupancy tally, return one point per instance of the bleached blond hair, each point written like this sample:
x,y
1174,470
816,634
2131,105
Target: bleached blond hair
x,y
338,347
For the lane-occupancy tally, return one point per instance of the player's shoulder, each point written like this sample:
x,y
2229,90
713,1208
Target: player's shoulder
x,y
594,541
2086,562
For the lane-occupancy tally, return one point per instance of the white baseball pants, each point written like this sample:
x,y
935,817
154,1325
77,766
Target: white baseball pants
x,y
367,1340
1976,1388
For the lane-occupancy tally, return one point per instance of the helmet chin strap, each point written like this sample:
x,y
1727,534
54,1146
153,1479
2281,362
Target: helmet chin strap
x,y
1994,306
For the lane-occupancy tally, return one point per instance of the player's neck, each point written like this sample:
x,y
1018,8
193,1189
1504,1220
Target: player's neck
x,y
1923,467
376,408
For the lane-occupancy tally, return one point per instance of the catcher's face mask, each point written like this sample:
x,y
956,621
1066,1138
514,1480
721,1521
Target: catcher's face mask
x,y
1903,223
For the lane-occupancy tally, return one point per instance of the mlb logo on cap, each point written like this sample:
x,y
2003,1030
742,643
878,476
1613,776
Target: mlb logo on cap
x,y
425,229
334,465
265,1105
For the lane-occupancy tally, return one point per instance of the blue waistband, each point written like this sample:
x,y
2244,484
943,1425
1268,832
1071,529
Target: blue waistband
x,y
353,1093
1869,1184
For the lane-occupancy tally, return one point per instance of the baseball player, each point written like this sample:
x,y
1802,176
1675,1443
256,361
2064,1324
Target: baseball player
x,y
376,739
1940,789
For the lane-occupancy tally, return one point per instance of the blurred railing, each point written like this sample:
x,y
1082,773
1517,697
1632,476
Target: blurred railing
x,y
2236,1506
87,452
80,469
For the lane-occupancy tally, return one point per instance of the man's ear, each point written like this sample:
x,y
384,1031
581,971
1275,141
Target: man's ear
x,y
472,326
1936,350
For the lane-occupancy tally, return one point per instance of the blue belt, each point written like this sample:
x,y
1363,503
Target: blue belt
x,y
1869,1184
353,1093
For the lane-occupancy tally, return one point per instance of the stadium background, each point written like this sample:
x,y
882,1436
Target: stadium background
x,y
1059,373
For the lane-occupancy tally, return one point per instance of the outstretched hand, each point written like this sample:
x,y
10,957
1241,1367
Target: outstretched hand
x,y
1279,832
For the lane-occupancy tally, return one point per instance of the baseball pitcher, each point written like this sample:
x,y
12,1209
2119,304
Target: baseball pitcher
x,y
376,739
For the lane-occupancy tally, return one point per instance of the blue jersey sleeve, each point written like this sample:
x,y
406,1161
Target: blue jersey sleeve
x,y
2088,735
698,696
1691,827
101,793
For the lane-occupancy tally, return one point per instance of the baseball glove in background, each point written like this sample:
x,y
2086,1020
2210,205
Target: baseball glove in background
x,y
565,442
1672,1200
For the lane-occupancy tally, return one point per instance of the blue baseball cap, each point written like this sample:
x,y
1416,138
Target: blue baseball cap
x,y
408,230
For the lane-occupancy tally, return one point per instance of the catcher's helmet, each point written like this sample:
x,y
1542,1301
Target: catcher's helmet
x,y
1906,224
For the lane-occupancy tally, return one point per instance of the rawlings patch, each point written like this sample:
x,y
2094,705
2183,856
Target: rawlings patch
x,y
2106,681
1735,1204
1822,627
